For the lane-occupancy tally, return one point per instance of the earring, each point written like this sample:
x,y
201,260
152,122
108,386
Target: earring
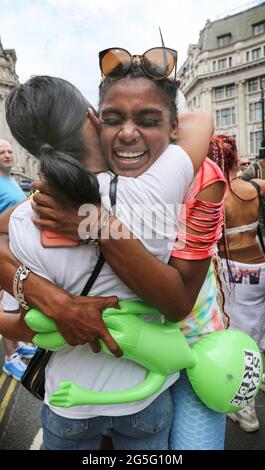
x,y
172,140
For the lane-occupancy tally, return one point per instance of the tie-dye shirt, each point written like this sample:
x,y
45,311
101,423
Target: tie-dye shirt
x,y
206,219
206,315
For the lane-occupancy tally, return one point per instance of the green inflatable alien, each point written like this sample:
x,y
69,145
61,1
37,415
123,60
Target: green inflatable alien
x,y
224,367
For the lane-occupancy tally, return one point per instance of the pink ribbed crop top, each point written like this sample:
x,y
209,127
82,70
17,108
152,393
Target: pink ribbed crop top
x,y
205,219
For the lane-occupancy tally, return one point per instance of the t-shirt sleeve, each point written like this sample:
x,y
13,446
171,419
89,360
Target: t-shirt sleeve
x,y
24,240
9,303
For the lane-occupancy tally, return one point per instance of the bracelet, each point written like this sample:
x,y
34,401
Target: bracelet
x,y
18,289
94,241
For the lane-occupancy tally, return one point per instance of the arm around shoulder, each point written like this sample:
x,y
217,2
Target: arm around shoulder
x,y
194,135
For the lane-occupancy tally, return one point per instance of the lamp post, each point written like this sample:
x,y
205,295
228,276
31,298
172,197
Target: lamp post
x,y
262,108
262,149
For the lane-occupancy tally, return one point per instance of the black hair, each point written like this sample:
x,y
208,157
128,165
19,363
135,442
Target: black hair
x,y
166,87
46,115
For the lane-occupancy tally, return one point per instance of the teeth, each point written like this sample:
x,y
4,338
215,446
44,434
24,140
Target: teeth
x,y
129,154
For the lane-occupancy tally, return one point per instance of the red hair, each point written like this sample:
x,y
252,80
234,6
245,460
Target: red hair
x,y
223,151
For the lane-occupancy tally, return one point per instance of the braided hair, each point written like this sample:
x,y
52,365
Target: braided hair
x,y
223,151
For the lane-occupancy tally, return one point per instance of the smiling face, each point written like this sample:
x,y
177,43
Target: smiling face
x,y
136,126
6,157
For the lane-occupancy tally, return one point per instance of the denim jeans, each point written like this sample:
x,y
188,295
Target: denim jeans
x,y
146,430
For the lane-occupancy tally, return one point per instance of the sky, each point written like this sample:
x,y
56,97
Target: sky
x,y
63,37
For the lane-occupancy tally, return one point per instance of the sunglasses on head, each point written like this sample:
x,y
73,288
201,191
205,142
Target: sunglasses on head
x,y
157,62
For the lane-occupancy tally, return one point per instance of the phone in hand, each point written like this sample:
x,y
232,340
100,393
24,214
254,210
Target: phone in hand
x,y
53,240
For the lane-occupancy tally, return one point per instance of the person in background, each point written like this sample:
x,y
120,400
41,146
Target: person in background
x,y
243,258
243,165
26,187
257,169
10,195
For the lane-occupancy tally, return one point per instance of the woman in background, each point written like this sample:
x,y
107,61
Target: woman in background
x,y
243,257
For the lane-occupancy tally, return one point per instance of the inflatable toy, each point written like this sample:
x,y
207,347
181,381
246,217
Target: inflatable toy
x,y
224,367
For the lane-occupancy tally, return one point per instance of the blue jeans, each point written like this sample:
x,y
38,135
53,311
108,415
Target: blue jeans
x,y
146,430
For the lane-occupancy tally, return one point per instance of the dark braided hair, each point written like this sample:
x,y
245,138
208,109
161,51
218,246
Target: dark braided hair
x,y
166,87
223,151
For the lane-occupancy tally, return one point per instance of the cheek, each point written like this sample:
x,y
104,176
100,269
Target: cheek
x,y
106,138
159,142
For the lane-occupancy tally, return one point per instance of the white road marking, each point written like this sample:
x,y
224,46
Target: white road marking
x,y
37,441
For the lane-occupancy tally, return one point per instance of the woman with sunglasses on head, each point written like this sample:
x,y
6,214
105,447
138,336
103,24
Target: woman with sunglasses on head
x,y
135,122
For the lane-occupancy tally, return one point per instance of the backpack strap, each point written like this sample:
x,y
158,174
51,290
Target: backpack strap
x,y
257,170
256,186
113,193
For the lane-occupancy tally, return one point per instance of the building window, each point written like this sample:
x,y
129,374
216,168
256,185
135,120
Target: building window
x,y
255,142
226,117
254,84
230,90
222,64
223,92
224,40
256,53
230,61
247,56
255,111
214,65
258,28
219,93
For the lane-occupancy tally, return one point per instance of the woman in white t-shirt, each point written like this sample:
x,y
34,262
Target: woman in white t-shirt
x,y
152,112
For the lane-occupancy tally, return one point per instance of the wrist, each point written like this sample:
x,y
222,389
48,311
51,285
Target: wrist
x,y
46,297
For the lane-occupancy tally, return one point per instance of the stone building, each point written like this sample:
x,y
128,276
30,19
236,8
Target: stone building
x,y
25,165
224,73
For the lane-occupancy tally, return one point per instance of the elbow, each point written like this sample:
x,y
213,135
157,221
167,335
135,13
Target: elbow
x,y
178,312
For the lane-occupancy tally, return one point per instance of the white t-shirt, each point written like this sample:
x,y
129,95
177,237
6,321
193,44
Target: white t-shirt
x,y
9,303
165,182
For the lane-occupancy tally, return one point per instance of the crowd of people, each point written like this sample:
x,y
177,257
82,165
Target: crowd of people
x,y
204,270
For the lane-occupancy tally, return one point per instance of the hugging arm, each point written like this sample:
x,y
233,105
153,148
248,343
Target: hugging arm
x,y
77,318
12,326
194,133
162,285
172,288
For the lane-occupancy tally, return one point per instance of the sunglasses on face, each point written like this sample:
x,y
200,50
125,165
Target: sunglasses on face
x,y
157,62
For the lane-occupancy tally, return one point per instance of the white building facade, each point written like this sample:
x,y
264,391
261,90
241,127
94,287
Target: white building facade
x,y
224,73
25,165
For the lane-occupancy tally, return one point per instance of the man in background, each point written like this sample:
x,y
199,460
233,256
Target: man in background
x,y
10,195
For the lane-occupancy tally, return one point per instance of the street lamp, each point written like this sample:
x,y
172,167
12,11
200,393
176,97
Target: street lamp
x,y
262,148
